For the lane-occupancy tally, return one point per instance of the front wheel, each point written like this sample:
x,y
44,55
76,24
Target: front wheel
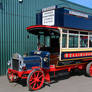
x,y
11,77
89,69
35,79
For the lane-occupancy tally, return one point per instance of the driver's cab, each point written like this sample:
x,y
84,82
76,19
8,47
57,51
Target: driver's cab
x,y
48,40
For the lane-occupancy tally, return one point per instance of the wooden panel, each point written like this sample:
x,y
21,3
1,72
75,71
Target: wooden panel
x,y
54,58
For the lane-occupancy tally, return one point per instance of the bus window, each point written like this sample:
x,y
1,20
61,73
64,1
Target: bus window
x,y
47,41
90,41
42,40
64,40
73,41
83,41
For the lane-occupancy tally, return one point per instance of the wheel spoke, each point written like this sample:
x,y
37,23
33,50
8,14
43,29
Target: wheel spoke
x,y
31,79
40,80
34,85
34,75
40,77
11,77
32,82
37,74
37,85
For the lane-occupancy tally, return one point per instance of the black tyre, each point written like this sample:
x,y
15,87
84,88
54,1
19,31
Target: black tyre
x,y
35,80
89,69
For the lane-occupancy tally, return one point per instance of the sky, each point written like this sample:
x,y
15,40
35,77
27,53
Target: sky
x,y
87,3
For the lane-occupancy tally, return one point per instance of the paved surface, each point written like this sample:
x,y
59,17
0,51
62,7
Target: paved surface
x,y
74,83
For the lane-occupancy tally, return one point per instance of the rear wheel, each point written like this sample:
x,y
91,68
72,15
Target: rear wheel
x,y
35,79
89,69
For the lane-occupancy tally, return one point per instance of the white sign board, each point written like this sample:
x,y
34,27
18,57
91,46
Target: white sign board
x,y
78,14
49,8
48,17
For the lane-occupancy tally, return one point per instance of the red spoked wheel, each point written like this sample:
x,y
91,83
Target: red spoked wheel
x,y
35,80
11,77
89,69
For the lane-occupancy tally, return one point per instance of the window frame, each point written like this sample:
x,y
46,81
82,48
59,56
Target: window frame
x,y
79,36
90,35
69,38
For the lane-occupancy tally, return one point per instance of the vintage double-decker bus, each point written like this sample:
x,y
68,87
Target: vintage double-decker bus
x,y
59,49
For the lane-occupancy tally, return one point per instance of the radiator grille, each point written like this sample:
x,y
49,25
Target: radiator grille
x,y
15,64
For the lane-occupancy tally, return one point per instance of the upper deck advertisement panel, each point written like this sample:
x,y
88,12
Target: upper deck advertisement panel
x,y
64,17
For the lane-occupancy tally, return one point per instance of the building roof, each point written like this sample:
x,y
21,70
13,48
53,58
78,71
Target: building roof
x,y
75,6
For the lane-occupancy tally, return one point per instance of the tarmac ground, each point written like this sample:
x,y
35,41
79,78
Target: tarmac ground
x,y
73,83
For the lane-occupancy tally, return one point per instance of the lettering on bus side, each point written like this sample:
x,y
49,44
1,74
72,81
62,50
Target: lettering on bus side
x,y
68,55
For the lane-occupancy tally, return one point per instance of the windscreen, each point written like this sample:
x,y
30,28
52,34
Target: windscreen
x,y
48,41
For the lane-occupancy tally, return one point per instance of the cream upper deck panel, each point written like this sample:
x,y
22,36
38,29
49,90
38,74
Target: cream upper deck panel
x,y
86,36
83,36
